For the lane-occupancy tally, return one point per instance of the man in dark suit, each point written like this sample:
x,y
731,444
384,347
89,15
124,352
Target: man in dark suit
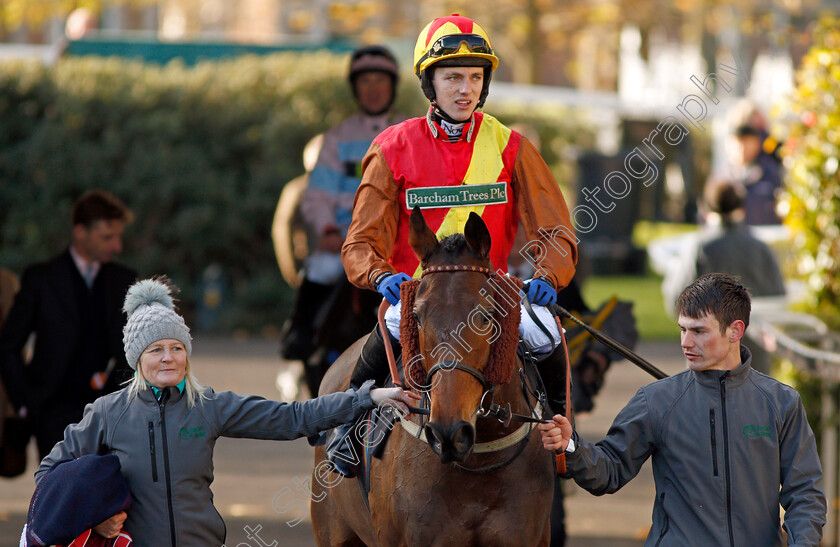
x,y
73,305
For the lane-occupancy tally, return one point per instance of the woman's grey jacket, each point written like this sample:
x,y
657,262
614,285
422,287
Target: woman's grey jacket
x,y
166,450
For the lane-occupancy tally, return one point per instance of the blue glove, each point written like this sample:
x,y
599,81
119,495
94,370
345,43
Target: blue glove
x,y
389,287
541,293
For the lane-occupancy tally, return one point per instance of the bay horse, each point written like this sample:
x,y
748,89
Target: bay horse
x,y
452,489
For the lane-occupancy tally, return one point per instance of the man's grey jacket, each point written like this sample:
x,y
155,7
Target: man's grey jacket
x,y
722,443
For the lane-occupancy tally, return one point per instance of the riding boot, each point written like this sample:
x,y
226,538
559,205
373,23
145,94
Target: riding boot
x,y
296,340
373,360
552,368
343,450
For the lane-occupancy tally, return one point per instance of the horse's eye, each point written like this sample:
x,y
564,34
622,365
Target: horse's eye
x,y
416,316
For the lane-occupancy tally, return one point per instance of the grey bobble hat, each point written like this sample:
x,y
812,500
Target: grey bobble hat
x,y
151,317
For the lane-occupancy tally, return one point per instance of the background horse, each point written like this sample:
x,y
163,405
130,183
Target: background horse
x,y
424,494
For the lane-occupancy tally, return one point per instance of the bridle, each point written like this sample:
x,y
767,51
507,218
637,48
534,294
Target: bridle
x,y
487,408
443,366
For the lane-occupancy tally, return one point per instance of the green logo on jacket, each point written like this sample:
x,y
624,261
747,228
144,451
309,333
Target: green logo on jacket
x,y
187,433
754,431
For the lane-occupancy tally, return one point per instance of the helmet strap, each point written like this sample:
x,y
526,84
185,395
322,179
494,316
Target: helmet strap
x,y
439,115
426,83
485,90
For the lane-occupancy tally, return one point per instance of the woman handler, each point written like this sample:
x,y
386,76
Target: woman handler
x,y
163,427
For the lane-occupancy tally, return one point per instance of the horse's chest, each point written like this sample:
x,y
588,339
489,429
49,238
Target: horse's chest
x,y
416,500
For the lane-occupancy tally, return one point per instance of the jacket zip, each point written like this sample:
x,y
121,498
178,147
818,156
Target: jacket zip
x,y
162,405
714,440
152,451
726,458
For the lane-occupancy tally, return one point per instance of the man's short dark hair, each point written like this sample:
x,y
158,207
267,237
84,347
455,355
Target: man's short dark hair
x,y
96,205
717,294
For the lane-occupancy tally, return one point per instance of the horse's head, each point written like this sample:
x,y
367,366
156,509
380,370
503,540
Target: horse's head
x,y
459,318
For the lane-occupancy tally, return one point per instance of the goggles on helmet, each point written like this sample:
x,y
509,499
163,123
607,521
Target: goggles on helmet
x,y
452,43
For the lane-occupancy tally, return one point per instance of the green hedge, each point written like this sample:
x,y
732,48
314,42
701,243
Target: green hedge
x,y
200,154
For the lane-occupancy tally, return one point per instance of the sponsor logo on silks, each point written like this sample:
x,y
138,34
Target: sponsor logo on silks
x,y
187,433
754,431
466,195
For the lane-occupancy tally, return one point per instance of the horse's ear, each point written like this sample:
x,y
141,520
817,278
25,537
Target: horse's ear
x,y
421,238
477,236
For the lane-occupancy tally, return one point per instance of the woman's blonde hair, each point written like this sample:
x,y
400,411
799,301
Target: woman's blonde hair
x,y
193,391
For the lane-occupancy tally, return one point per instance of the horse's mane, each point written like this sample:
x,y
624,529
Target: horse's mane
x,y
501,362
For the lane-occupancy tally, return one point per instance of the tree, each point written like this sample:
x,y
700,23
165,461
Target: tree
x,y
812,191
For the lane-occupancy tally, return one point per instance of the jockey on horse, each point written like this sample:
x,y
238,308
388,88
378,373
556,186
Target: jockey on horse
x,y
326,208
452,162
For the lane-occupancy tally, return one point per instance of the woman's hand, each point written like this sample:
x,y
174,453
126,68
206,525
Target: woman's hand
x,y
111,527
556,435
394,396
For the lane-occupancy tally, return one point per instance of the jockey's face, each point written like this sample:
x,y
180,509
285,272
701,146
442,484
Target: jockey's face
x,y
374,91
457,90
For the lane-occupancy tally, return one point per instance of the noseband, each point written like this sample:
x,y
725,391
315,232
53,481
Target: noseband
x,y
458,365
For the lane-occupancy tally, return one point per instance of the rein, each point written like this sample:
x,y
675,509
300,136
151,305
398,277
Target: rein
x,y
389,351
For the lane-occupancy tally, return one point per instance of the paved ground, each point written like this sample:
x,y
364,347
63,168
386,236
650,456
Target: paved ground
x,y
257,481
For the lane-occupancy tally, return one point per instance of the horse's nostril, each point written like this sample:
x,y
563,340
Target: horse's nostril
x,y
433,437
463,437
453,443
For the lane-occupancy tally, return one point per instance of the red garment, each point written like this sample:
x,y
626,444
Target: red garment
x,y
416,159
89,539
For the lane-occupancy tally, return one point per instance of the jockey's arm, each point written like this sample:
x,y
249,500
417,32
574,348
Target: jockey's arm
x,y
552,245
320,199
370,239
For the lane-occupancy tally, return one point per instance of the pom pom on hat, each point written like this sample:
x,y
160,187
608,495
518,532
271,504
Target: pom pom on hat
x,y
146,293
151,317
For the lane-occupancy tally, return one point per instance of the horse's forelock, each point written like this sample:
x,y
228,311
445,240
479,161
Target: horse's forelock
x,y
452,250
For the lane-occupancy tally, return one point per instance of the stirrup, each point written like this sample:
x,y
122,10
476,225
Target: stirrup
x,y
341,451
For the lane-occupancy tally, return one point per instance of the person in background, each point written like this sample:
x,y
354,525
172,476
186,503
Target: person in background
x,y
729,445
72,304
327,204
726,244
754,163
163,427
